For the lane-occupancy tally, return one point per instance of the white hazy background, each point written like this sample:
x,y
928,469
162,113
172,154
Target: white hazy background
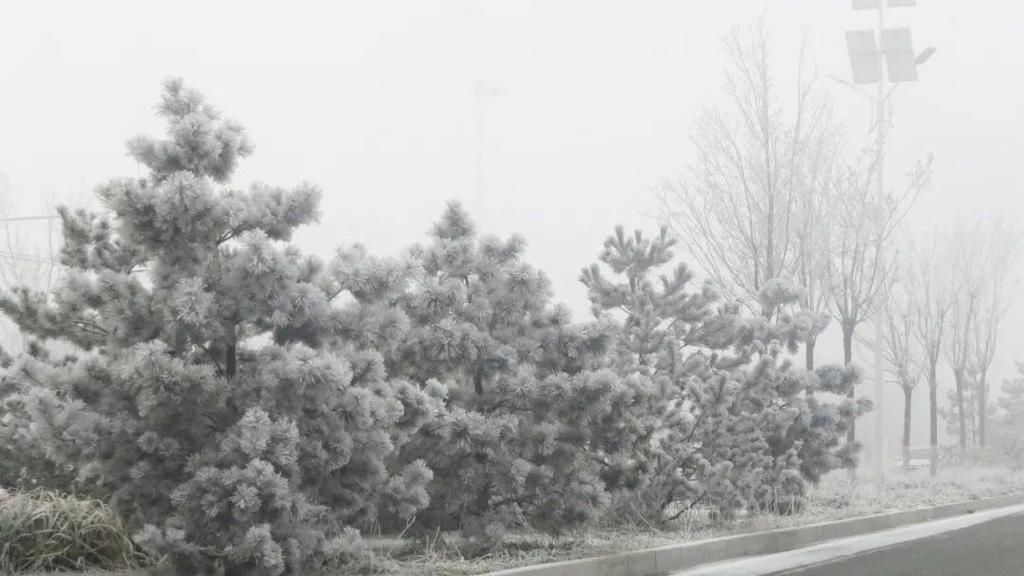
x,y
588,109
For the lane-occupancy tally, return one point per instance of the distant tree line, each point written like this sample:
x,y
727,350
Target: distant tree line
x,y
773,199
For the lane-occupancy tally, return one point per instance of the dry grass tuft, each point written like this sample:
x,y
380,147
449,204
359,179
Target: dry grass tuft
x,y
47,531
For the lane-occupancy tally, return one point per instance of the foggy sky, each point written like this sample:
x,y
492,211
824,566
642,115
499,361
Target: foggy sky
x,y
375,102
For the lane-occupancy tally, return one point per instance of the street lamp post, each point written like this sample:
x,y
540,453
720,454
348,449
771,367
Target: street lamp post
x,y
878,57
483,92
882,125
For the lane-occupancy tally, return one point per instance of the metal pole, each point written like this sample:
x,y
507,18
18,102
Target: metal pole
x,y
480,96
880,167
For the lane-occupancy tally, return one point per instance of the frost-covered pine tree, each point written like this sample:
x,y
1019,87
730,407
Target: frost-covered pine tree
x,y
1008,431
524,403
720,417
198,401
672,347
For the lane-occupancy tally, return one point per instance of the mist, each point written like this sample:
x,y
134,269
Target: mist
x,y
556,121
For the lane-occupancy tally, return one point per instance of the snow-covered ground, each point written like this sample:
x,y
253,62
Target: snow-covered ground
x,y
837,497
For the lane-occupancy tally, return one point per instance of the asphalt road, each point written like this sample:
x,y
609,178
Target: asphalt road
x,y
994,548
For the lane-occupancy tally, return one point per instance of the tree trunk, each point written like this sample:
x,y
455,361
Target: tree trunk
x,y
972,422
982,402
231,361
848,331
961,414
907,398
933,425
478,381
809,353
231,353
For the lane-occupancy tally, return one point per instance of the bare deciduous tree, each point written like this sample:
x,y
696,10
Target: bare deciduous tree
x,y
738,213
27,251
962,250
927,281
981,255
862,221
902,353
997,247
812,236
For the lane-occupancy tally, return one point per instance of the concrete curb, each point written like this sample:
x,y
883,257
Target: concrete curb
x,y
659,561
